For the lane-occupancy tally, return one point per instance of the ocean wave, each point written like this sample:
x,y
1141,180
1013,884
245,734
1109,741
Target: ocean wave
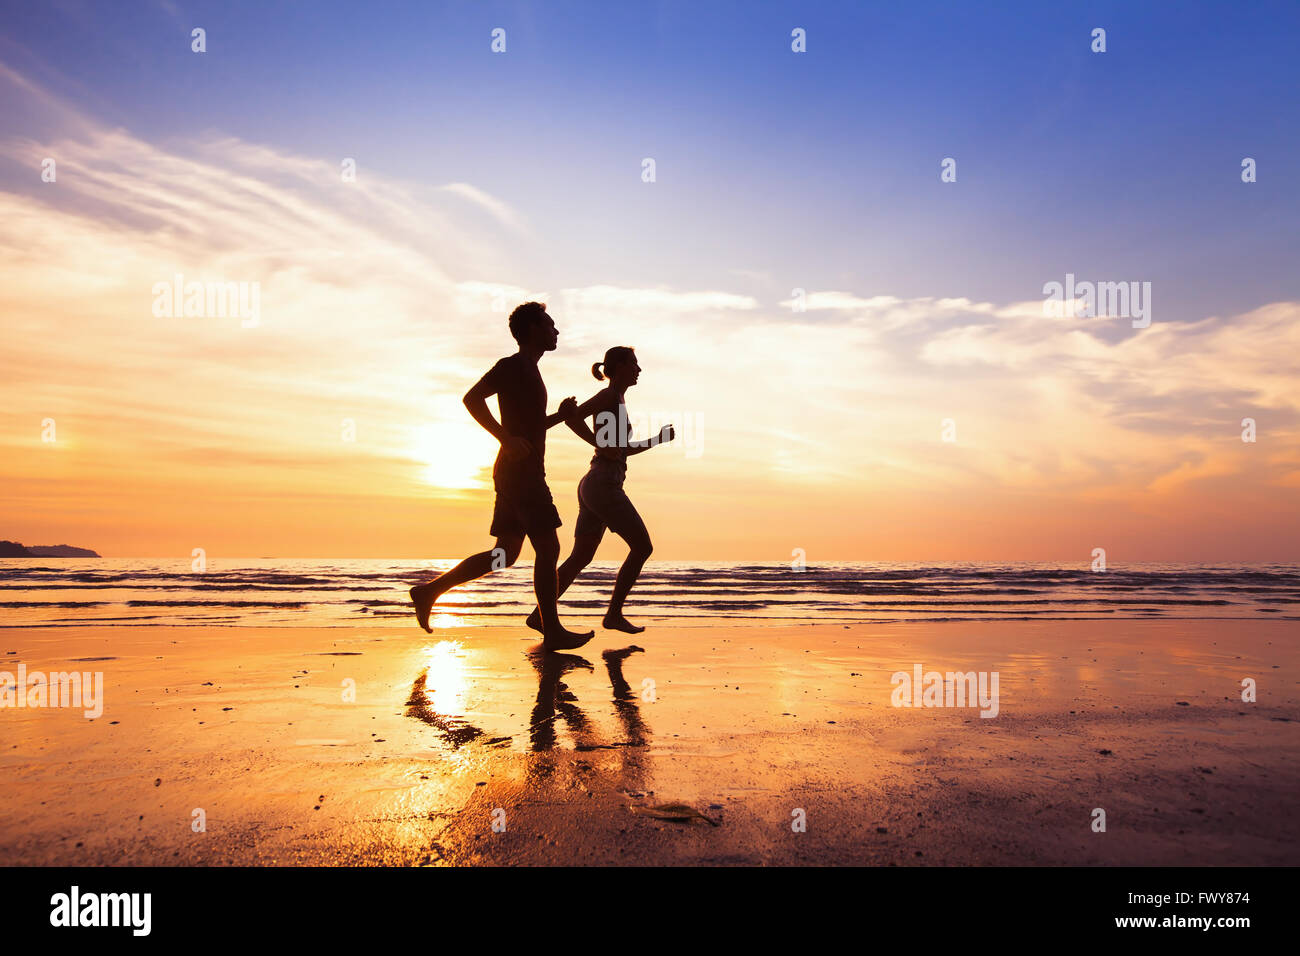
x,y
350,593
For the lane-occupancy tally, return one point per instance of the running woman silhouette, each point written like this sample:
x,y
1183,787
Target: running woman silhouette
x,y
602,502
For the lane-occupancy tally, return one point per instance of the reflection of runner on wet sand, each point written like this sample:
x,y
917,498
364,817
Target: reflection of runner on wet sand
x,y
583,765
453,728
556,702
554,695
625,704
577,762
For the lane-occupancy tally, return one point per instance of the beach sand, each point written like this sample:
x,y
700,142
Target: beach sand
x,y
742,726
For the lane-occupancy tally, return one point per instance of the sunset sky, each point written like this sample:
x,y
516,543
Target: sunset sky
x,y
484,179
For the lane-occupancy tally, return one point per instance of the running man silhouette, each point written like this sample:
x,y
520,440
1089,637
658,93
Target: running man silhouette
x,y
602,503
524,507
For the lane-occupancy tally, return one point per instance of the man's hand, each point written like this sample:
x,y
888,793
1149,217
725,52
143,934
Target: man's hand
x,y
516,448
567,412
666,434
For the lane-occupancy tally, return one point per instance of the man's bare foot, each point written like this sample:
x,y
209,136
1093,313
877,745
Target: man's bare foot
x,y
423,596
535,622
617,622
560,639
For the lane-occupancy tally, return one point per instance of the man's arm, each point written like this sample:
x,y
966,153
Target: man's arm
x,y
476,404
563,412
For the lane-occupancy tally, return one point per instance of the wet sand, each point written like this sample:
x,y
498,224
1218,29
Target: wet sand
x,y
731,728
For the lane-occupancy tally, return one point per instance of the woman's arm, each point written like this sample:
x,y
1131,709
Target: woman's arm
x,y
645,444
577,420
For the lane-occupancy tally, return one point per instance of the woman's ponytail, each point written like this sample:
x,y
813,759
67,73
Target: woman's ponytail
x,y
613,359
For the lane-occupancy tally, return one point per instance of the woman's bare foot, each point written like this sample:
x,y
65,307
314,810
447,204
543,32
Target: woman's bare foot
x,y
423,597
560,639
535,621
617,622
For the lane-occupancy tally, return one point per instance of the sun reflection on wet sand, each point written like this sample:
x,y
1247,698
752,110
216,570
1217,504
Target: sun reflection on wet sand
x,y
440,692
445,683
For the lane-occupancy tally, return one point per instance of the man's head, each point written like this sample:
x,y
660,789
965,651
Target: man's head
x,y
533,328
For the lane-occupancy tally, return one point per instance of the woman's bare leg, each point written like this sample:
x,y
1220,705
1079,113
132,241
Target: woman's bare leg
x,y
633,531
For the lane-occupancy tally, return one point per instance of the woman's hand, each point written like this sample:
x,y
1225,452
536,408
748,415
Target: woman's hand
x,y
666,434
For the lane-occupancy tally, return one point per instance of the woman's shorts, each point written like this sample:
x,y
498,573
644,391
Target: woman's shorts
x,y
603,504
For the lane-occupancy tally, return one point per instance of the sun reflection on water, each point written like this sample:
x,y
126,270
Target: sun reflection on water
x,y
445,619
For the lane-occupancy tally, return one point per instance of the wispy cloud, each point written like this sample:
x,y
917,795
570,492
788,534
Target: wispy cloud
x,y
499,210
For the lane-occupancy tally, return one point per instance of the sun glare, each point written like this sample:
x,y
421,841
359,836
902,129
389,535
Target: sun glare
x,y
453,455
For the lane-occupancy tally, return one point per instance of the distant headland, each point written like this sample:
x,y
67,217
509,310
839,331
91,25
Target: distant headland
x,y
12,549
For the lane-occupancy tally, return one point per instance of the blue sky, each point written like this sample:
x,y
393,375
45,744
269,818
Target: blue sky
x,y
814,170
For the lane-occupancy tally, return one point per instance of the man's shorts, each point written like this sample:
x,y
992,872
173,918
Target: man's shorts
x,y
524,504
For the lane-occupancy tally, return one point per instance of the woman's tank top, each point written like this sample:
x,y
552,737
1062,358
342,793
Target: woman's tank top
x,y
613,432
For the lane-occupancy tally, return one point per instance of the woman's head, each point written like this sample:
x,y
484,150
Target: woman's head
x,y
620,366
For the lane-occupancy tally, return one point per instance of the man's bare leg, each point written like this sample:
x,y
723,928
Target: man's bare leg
x,y
425,595
584,549
555,637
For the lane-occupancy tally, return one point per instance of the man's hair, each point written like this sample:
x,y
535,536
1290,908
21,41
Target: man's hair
x,y
524,317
